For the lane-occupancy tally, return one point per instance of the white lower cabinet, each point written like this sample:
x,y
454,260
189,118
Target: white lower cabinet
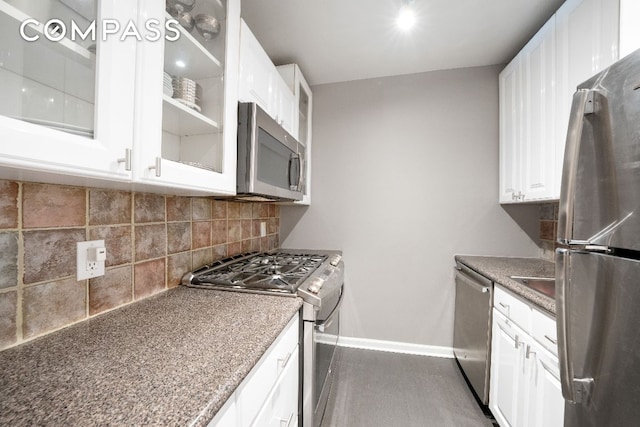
x,y
525,386
268,396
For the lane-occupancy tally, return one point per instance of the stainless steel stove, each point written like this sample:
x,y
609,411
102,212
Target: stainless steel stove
x,y
315,276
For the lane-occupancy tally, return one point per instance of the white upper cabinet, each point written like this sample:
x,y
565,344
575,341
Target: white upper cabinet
x,y
302,116
538,56
527,121
261,83
186,109
66,107
581,39
95,110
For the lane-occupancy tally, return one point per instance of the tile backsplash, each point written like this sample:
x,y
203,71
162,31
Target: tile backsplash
x,y
548,229
151,241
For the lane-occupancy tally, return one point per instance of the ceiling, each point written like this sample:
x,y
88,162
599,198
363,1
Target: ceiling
x,y
342,40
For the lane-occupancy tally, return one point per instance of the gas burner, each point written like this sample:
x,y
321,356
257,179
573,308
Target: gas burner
x,y
278,272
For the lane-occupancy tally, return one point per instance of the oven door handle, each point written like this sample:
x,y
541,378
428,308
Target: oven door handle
x,y
329,320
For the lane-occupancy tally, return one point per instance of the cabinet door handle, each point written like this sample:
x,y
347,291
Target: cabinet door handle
x,y
517,343
286,422
529,352
503,305
285,360
126,159
157,166
551,340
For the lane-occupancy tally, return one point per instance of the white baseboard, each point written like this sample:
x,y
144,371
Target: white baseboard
x,y
396,347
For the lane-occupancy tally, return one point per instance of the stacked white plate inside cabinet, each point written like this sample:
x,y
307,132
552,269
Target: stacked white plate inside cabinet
x,y
167,85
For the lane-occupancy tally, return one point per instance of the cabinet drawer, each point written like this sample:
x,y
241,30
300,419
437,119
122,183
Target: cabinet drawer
x,y
281,407
544,331
255,389
513,308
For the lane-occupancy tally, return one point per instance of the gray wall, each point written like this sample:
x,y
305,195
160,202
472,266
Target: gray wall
x,y
405,175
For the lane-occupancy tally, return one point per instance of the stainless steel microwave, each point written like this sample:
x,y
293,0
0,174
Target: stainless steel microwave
x,y
270,160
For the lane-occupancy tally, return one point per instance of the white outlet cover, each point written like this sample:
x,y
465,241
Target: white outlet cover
x,y
83,271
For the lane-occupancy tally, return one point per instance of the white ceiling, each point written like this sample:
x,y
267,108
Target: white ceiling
x,y
342,40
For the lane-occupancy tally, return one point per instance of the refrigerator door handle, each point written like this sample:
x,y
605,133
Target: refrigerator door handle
x,y
583,103
562,317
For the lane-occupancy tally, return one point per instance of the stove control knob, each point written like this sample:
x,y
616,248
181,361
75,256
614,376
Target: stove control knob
x,y
315,285
335,259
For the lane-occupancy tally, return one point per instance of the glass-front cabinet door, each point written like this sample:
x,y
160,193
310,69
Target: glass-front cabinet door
x,y
185,137
66,89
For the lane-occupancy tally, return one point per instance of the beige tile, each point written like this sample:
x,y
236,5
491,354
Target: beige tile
x,y
218,232
201,234
255,245
178,237
246,246
149,207
255,227
117,240
260,210
150,241
235,231
177,266
219,209
272,225
273,242
50,254
8,314
548,230
8,259
219,252
108,207
47,205
245,229
53,305
149,278
246,210
234,248
276,210
201,257
8,204
178,208
201,208
233,210
111,290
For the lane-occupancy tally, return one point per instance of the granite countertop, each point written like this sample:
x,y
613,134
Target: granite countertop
x,y
172,359
499,269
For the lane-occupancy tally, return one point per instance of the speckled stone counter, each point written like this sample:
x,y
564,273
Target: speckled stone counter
x,y
499,269
173,359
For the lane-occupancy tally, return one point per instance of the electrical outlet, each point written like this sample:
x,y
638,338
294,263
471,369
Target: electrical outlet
x,y
90,259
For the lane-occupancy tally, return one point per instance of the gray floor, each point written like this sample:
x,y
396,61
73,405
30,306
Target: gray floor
x,y
380,389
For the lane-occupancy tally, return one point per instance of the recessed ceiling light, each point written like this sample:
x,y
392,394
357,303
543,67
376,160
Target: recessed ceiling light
x,y
180,63
407,16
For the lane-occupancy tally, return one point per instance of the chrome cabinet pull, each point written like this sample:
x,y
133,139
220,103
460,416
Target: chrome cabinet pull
x,y
503,305
286,422
126,159
157,166
551,340
529,352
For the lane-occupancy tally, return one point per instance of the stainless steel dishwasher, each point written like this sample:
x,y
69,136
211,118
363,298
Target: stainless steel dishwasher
x,y
472,328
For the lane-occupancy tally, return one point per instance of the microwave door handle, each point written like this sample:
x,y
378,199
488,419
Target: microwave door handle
x,y
303,172
294,166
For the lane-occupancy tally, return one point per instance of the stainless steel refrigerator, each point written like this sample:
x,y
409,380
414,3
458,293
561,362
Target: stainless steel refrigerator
x,y
598,270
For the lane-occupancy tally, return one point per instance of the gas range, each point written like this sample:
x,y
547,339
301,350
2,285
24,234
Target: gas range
x,y
315,276
280,272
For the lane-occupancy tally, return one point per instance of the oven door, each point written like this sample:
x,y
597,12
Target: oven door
x,y
325,340
269,159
